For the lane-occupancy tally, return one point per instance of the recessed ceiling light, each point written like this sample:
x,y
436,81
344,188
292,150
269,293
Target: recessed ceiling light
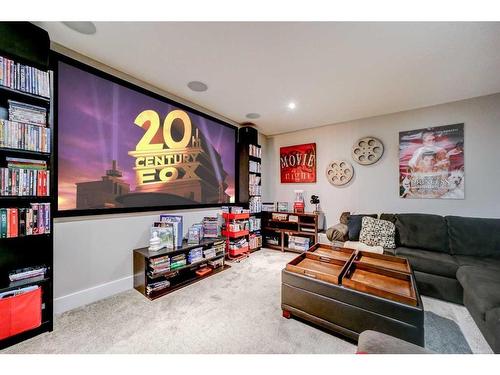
x,y
291,105
197,86
252,115
87,28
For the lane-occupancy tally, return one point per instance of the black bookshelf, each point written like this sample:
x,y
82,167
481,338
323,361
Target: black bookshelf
x,y
34,250
178,277
247,156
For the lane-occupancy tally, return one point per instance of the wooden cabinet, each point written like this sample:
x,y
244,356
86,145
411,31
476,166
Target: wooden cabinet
x,y
278,227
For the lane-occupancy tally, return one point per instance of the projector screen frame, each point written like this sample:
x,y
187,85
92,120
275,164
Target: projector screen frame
x,y
55,58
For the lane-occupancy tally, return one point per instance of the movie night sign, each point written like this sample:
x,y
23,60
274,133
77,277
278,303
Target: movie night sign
x,y
298,163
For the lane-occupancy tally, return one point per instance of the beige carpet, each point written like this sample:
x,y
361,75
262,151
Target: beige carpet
x,y
235,311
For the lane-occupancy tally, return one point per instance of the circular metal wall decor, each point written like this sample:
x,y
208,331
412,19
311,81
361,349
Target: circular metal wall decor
x,y
339,172
367,150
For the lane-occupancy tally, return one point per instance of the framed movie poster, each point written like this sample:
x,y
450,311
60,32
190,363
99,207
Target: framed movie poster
x,y
298,163
431,162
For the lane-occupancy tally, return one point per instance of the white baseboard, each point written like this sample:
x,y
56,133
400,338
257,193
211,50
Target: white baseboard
x,y
96,293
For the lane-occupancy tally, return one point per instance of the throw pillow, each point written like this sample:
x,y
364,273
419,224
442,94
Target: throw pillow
x,y
354,226
376,232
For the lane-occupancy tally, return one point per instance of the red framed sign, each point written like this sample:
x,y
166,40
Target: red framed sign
x,y
298,163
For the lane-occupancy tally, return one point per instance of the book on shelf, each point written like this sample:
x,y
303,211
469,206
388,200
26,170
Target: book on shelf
x,y
24,78
25,221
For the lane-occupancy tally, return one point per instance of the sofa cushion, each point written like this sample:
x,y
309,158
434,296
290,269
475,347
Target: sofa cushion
x,y
474,236
481,262
428,232
481,288
430,261
375,232
354,225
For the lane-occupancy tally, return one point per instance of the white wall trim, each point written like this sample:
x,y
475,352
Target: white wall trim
x,y
96,293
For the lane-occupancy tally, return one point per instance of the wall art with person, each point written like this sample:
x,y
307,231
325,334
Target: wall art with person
x,y
431,162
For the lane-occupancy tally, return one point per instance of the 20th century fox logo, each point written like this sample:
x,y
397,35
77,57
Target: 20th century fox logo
x,y
170,160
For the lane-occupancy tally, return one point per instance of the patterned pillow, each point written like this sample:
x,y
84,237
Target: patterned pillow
x,y
376,232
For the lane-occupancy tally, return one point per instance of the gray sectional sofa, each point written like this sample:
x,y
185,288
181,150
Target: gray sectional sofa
x,y
455,259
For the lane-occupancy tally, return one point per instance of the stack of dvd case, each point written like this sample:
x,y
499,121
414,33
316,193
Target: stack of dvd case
x,y
27,113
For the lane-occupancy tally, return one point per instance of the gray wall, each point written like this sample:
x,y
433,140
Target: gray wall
x,y
93,255
375,189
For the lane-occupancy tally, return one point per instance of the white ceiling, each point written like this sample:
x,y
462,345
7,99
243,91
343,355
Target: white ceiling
x,y
334,71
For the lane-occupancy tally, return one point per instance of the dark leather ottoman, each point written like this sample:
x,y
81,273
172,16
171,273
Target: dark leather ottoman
x,y
347,311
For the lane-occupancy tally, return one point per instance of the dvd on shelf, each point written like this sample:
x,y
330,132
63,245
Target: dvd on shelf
x,y
24,177
21,136
25,221
255,151
254,166
24,78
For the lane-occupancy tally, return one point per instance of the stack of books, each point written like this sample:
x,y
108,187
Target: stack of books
x,y
18,222
159,265
27,113
298,243
24,136
216,263
209,253
211,227
195,255
24,177
158,285
177,261
219,247
24,78
27,273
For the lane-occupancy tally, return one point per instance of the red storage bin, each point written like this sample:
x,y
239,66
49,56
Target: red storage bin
x,y
20,313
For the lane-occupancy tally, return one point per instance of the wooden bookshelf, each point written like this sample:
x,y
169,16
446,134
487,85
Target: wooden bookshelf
x,y
306,225
179,277
35,250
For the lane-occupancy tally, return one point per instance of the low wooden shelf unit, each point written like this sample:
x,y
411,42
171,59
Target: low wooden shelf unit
x,y
178,277
276,233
